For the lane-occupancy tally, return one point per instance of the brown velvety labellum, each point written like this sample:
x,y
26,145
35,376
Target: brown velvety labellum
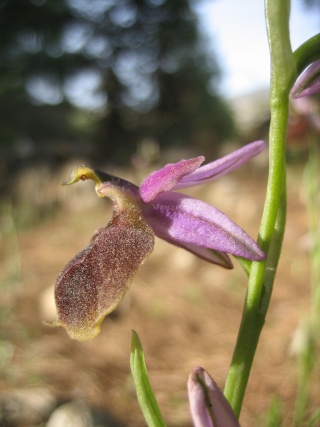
x,y
95,281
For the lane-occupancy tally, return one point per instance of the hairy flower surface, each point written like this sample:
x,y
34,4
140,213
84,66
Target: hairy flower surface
x,y
208,405
95,281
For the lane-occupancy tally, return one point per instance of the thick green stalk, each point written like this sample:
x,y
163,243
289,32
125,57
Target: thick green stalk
x,y
283,72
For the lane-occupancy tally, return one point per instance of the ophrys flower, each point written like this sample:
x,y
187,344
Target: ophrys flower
x,y
95,281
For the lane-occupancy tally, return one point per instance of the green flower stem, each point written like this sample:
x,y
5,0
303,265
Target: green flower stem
x,y
274,252
283,73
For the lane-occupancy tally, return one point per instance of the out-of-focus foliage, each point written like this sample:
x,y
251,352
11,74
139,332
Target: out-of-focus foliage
x,y
97,77
312,3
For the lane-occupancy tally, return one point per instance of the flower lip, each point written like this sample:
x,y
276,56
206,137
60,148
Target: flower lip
x,y
95,281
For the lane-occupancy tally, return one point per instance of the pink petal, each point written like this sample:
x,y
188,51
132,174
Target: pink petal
x,y
166,178
208,405
210,255
308,83
184,220
222,166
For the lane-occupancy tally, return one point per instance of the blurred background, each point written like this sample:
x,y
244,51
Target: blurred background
x,y
127,86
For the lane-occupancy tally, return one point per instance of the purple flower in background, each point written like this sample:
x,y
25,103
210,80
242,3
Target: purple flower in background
x,y
96,280
308,83
208,405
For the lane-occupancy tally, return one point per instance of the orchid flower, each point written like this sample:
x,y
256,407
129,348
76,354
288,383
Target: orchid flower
x,y
308,83
208,405
96,280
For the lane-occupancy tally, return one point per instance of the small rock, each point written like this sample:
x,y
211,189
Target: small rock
x,y
27,407
71,414
77,414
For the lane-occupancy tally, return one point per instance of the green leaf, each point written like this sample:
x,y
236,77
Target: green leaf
x,y
307,53
146,398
